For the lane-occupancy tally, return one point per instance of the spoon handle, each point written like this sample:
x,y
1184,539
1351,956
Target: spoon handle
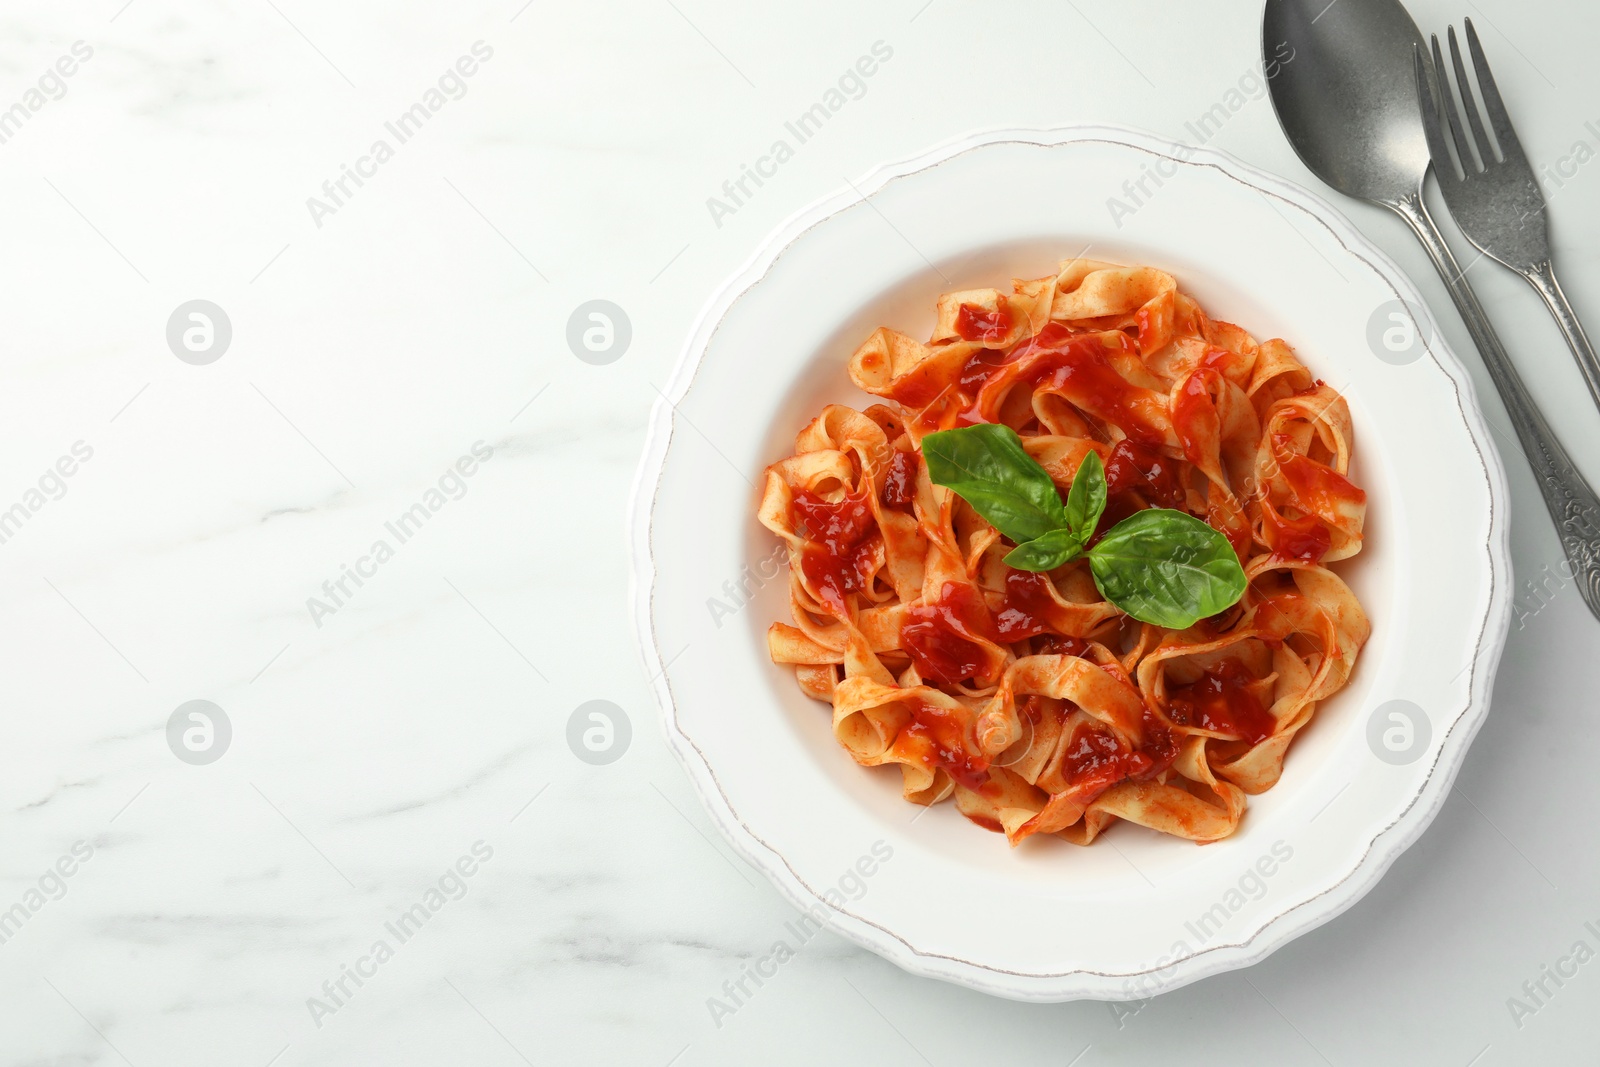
x,y
1571,502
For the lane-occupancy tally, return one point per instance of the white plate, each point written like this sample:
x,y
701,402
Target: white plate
x,y
1138,912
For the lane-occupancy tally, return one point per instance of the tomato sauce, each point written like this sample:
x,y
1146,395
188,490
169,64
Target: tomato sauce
x,y
1221,701
953,402
1193,413
1062,645
1318,488
837,525
833,576
954,751
1094,759
1077,366
1159,747
941,637
842,540
978,370
1146,327
974,323
919,387
1027,601
1301,539
900,483
1133,467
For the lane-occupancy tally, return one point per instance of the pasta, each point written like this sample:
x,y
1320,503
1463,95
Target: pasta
x,y
1027,697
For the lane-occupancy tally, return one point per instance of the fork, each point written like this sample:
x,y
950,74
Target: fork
x,y
1493,196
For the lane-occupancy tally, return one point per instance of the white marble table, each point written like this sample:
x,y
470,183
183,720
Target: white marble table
x,y
398,858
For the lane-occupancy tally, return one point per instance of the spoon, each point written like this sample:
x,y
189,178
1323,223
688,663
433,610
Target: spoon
x,y
1348,102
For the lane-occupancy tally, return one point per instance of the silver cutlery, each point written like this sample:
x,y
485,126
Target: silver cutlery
x,y
1494,197
1349,103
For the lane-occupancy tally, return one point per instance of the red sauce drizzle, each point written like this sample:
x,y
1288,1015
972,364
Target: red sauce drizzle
x,y
1304,538
835,558
953,750
940,637
1159,747
987,823
1132,466
918,387
1144,324
900,484
1192,412
837,525
958,404
974,323
1095,759
977,370
1318,488
1078,367
1221,701
1022,613
1062,645
951,402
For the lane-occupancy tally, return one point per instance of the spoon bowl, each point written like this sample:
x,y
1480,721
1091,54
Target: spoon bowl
x,y
1347,97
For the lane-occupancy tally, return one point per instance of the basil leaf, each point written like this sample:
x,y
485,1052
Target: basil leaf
x,y
1086,500
1167,568
986,466
1046,552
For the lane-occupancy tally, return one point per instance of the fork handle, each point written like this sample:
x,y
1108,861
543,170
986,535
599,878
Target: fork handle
x,y
1572,504
1543,278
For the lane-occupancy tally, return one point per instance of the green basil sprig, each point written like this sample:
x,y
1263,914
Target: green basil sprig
x,y
1166,567
987,467
1159,565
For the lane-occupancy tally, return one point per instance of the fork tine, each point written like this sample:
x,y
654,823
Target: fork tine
x,y
1468,104
1447,104
1510,145
1428,99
